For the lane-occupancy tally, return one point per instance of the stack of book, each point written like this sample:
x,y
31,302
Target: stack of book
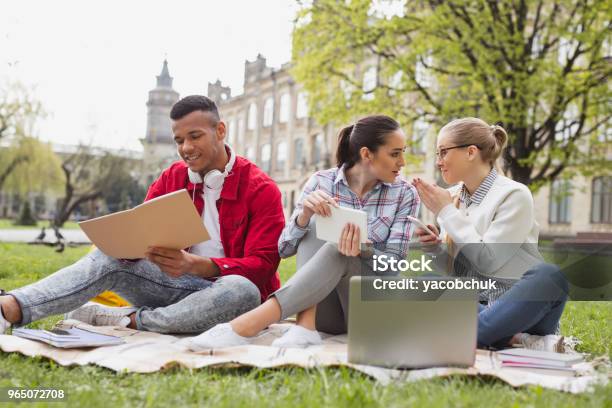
x,y
69,338
539,362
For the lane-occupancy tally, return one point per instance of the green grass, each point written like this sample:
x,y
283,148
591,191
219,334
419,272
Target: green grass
x,y
6,223
94,386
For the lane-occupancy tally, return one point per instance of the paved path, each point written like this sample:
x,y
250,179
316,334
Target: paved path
x,y
27,235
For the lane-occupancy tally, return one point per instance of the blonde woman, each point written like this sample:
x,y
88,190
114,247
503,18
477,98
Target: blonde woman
x,y
489,225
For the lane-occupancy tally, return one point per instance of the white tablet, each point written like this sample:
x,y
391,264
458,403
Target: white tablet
x,y
330,228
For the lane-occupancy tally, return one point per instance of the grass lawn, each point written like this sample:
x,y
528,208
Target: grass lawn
x,y
6,223
93,386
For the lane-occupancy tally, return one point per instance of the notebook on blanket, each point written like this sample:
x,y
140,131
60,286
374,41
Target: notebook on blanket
x,y
541,362
69,338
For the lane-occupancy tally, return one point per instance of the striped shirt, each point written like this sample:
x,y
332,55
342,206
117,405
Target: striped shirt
x,y
387,205
461,265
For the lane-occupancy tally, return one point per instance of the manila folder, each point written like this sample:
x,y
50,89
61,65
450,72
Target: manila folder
x,y
169,221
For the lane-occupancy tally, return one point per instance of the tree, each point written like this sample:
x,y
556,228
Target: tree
x,y
39,172
88,175
538,66
18,114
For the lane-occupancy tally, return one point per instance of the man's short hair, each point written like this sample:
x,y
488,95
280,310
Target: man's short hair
x,y
194,103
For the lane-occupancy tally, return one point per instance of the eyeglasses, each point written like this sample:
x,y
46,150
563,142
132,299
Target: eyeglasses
x,y
441,154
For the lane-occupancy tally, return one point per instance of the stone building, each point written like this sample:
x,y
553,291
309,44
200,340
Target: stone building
x,y
269,124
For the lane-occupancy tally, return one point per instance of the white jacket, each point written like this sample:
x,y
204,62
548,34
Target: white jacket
x,y
505,216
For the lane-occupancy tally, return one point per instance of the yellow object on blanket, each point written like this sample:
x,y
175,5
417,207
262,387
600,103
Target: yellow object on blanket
x,y
109,298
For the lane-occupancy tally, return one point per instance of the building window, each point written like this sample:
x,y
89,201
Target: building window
x,y
419,136
421,72
369,83
266,154
568,125
231,132
302,105
601,200
268,113
285,106
250,154
298,153
252,119
395,83
347,90
284,195
560,202
281,156
317,149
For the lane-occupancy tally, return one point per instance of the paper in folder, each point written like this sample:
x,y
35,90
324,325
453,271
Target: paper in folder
x,y
169,221
69,338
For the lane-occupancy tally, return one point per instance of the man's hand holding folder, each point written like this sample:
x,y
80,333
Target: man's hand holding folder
x,y
177,262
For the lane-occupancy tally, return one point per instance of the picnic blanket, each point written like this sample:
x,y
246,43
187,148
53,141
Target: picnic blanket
x,y
146,352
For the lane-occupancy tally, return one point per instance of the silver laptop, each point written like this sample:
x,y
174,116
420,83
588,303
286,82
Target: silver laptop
x,y
406,331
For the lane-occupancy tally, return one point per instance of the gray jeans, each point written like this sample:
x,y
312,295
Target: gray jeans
x,y
187,304
322,279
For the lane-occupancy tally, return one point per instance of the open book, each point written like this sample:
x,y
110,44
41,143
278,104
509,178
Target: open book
x,y
169,221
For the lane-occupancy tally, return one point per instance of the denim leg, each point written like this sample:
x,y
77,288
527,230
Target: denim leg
x,y
228,297
533,305
142,283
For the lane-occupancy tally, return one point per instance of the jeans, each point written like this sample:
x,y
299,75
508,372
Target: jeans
x,y
322,278
187,304
532,305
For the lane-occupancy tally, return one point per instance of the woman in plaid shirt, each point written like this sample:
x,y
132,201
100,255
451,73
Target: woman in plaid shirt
x,y
370,156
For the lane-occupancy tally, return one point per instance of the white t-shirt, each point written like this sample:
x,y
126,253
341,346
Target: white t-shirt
x,y
210,216
213,248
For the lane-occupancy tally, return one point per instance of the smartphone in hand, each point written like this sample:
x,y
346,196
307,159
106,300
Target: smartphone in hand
x,y
422,225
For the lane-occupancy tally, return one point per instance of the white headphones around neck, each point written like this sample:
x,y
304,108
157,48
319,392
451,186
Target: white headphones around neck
x,y
214,178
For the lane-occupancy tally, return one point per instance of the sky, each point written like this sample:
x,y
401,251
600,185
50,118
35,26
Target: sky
x,y
92,64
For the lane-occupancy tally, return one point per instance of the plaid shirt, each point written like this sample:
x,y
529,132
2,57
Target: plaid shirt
x,y
387,206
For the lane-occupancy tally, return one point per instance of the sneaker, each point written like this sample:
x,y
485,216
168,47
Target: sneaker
x,y
96,314
222,335
298,336
551,342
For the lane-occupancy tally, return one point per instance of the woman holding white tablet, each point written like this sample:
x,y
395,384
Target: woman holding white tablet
x,y
489,225
370,156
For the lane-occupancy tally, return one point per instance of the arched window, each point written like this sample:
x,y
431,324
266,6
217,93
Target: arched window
x,y
285,108
268,113
560,203
281,156
302,105
298,153
601,200
266,154
252,119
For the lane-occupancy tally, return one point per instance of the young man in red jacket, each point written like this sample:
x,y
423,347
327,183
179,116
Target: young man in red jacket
x,y
179,291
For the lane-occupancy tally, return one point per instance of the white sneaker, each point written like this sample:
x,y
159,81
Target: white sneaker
x,y
550,342
99,315
298,336
222,335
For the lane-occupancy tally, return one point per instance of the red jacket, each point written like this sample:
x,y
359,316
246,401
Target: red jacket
x,y
250,218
